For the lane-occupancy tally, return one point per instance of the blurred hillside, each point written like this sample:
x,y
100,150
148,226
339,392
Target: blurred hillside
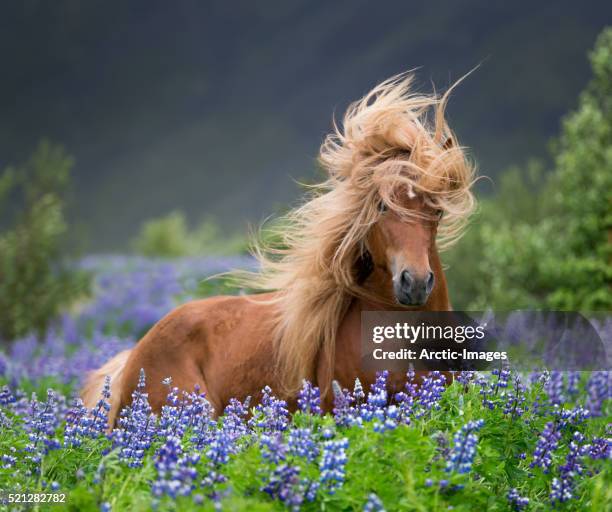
x,y
213,107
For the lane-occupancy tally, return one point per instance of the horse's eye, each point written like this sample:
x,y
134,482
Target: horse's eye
x,y
382,207
439,214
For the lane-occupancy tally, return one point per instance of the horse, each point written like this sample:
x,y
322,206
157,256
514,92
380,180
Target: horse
x,y
397,191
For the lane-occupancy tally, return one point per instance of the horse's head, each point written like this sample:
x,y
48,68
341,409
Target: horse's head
x,y
401,247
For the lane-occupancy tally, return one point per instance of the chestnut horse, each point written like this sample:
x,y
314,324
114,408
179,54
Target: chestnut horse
x,y
398,189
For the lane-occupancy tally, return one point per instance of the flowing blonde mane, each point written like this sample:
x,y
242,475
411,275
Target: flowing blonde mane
x,y
391,142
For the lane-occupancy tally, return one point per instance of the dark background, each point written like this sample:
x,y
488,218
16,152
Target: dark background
x,y
216,108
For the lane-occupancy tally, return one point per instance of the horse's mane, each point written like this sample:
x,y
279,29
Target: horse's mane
x,y
392,141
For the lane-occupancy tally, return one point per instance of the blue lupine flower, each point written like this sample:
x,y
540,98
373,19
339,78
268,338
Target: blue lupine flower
x,y
285,485
546,445
373,504
301,443
271,413
333,462
344,413
6,397
273,448
176,473
41,425
599,389
464,448
137,426
74,431
562,488
515,399
309,399
517,502
430,392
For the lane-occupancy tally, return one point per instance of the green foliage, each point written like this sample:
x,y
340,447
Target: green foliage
x,y
395,465
170,237
547,241
34,281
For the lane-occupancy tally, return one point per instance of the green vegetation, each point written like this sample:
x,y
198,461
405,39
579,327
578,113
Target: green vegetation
x,y
170,237
35,282
544,239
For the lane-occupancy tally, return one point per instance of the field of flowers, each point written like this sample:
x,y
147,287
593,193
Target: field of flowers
x,y
493,441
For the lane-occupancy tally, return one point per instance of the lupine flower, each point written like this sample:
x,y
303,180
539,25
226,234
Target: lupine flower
x,y
234,418
273,449
546,445
555,388
41,426
430,392
465,378
490,387
464,448
515,399
74,431
309,399
562,488
97,422
137,425
271,414
517,502
6,397
600,448
598,390
373,504
301,444
285,485
344,413
358,393
7,461
175,470
333,462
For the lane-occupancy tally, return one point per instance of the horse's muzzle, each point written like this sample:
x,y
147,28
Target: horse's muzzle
x,y
411,290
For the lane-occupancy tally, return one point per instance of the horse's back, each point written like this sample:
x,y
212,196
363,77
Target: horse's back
x,y
221,344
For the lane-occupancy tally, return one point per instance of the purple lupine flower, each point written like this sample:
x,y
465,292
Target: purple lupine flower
x,y
7,460
555,388
285,485
97,422
516,501
515,399
309,399
6,397
344,412
599,389
430,392
271,414
137,426
220,448
600,448
548,442
573,381
41,425
490,387
234,418
373,504
464,448
464,378
176,473
301,443
273,449
562,488
332,464
74,430
358,393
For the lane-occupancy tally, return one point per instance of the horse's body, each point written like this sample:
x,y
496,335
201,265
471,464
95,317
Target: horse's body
x,y
369,242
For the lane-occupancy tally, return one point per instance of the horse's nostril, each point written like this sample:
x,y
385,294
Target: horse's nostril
x,y
429,284
406,278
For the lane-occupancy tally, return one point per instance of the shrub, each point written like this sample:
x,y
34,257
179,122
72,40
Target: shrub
x,y
35,282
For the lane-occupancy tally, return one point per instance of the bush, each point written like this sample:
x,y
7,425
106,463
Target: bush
x,y
545,242
170,237
35,282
